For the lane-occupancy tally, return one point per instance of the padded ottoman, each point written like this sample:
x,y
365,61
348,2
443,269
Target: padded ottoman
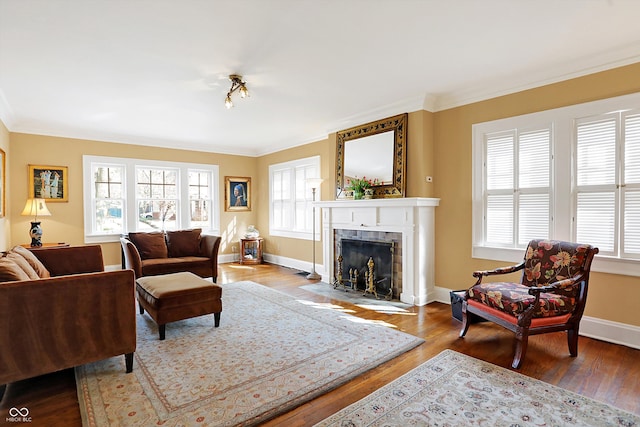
x,y
178,296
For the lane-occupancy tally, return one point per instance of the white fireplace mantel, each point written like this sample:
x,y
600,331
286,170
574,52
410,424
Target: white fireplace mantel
x,y
414,217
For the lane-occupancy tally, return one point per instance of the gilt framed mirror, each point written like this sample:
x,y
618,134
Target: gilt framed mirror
x,y
376,151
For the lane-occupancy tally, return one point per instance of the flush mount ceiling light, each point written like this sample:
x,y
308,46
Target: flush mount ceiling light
x,y
236,85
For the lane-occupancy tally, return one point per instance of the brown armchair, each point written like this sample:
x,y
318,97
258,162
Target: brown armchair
x,y
550,297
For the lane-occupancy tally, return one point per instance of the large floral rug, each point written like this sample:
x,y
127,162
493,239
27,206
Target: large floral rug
x,y
453,389
270,354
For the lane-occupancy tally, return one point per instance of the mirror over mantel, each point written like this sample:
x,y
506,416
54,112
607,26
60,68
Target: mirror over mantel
x,y
377,151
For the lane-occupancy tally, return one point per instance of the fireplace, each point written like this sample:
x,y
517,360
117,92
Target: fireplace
x,y
408,223
385,248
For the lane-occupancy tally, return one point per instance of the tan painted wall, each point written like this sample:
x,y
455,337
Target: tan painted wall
x,y
66,223
453,184
445,136
5,231
420,161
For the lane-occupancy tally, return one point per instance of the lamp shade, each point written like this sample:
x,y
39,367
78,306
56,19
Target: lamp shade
x,y
314,182
35,207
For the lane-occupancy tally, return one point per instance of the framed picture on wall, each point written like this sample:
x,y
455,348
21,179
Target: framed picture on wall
x,y
49,182
3,166
237,193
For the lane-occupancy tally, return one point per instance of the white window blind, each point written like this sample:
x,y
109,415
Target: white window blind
x,y
608,183
517,199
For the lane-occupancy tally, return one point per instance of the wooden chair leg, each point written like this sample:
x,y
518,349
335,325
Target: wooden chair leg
x,y
216,317
140,308
522,340
465,320
572,340
128,362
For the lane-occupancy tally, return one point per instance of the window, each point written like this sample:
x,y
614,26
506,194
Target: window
x,y
140,195
517,194
608,182
290,198
571,173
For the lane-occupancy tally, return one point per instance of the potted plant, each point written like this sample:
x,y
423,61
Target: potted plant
x,y
359,185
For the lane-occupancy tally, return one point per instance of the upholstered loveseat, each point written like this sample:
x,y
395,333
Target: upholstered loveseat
x,y
155,253
60,309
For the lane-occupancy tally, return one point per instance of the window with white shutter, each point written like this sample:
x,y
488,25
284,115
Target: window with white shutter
x,y
571,173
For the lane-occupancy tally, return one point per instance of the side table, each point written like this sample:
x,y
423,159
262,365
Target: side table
x,y
45,246
251,250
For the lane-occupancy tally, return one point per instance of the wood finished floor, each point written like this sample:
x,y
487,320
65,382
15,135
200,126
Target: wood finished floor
x,y
602,371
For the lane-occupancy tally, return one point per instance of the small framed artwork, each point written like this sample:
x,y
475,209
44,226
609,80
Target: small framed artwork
x,y
237,193
3,166
49,182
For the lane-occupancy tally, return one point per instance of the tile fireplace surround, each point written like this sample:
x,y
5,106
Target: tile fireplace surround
x,y
412,217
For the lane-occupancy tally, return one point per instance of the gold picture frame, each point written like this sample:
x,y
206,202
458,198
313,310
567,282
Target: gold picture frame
x,y
3,172
237,193
49,182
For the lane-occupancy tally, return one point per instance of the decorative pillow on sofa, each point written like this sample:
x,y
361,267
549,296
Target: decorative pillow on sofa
x,y
10,271
150,245
33,261
184,242
23,264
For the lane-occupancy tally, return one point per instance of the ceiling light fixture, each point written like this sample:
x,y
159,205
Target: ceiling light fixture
x,y
236,84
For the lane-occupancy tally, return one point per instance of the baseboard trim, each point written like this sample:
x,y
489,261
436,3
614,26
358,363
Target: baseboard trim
x,y
592,327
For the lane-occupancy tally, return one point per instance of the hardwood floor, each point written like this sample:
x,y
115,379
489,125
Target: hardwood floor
x,y
602,371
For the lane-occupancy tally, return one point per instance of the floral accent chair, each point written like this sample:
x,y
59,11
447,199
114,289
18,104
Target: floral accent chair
x,y
550,297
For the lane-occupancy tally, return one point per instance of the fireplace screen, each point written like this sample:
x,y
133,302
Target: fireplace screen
x,y
354,265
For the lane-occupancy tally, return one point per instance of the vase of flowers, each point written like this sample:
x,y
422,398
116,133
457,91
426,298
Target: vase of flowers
x,y
359,185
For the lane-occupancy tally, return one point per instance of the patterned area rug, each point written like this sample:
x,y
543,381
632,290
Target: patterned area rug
x,y
453,389
270,354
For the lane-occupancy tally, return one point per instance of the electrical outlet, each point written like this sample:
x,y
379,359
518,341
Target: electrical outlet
x,y
429,179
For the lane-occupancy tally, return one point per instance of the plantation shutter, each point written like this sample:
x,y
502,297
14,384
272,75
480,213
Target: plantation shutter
x,y
500,189
534,177
631,187
596,196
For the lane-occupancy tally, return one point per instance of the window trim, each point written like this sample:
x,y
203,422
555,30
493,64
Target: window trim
x,y
129,214
563,171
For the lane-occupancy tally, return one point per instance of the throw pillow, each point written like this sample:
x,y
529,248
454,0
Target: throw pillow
x,y
23,264
184,242
10,271
149,245
33,261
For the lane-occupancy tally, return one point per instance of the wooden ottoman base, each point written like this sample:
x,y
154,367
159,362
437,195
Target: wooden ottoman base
x,y
178,296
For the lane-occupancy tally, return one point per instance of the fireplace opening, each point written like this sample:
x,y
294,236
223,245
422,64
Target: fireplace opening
x,y
359,257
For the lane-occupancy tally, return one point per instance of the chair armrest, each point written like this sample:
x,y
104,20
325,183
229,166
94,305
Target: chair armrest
x,y
479,274
210,245
555,286
131,257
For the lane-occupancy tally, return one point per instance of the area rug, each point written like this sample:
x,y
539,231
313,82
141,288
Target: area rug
x,y
355,297
453,389
270,354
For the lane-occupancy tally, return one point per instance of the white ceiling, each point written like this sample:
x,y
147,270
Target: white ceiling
x,y
155,72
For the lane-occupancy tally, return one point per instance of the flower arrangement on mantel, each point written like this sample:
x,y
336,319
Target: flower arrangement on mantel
x,y
359,185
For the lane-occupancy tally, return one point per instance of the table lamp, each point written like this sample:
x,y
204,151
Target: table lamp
x,y
35,207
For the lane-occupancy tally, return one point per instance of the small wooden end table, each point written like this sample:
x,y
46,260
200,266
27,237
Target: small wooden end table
x,y
251,250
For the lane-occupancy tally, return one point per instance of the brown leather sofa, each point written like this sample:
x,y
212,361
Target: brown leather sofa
x,y
155,253
62,312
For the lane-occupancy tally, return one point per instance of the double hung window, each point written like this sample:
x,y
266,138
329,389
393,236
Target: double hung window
x,y
291,197
139,195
